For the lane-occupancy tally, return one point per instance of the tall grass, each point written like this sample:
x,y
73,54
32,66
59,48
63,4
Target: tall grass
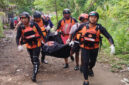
x,y
116,24
1,29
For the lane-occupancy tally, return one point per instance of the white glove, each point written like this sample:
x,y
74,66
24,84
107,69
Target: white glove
x,y
48,28
112,49
20,48
42,42
68,41
49,43
71,43
76,42
56,33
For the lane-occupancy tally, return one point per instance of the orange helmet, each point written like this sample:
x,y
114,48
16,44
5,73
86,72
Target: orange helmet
x,y
83,16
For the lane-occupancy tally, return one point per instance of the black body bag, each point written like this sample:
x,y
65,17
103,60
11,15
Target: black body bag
x,y
53,37
57,50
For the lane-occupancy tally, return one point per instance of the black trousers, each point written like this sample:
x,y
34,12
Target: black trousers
x,y
34,55
42,53
88,60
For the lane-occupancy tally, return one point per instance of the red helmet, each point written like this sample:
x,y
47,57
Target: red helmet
x,y
83,16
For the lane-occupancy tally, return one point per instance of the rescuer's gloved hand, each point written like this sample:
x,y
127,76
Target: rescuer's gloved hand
x,y
71,43
68,41
20,48
48,28
112,49
56,33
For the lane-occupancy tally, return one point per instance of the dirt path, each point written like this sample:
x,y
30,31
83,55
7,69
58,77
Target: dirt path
x,y
16,69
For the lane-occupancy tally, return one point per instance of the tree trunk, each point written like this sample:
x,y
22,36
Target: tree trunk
x,y
56,11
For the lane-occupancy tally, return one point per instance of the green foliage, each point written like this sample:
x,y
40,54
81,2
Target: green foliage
x,y
25,5
2,14
115,19
3,4
114,16
54,20
16,6
49,5
1,29
1,25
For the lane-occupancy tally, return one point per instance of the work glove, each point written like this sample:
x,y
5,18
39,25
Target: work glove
x,y
42,42
56,33
68,41
20,48
48,28
112,49
71,43
49,43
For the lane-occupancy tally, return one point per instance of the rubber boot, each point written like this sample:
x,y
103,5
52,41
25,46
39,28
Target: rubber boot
x,y
66,65
35,68
35,71
76,67
91,73
85,83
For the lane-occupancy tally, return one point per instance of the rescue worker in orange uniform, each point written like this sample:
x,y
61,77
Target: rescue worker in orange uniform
x,y
83,18
41,23
88,35
64,26
29,33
